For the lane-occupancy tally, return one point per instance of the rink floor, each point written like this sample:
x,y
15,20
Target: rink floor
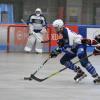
x,y
14,66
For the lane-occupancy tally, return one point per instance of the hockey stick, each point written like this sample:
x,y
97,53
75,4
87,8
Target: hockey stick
x,y
55,73
36,36
26,78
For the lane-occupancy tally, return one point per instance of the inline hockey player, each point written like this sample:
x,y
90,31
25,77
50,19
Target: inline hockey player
x,y
74,45
37,27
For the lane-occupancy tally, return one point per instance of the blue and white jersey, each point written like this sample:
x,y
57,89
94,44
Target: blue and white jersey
x,y
38,22
70,37
72,40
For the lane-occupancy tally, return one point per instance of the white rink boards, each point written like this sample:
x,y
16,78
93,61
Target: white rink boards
x,y
14,66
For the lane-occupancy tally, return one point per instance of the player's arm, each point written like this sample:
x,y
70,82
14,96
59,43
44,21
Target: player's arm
x,y
55,52
44,22
89,41
80,40
61,47
94,41
29,20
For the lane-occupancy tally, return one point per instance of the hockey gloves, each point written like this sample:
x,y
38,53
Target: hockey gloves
x,y
55,52
97,38
61,42
89,41
86,41
95,41
96,50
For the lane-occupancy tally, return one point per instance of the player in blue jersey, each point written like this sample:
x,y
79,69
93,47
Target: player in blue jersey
x,y
73,45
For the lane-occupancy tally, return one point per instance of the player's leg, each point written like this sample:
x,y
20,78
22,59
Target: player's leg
x,y
65,60
89,67
80,74
29,44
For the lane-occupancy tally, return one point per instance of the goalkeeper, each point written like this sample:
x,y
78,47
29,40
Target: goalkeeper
x,y
37,27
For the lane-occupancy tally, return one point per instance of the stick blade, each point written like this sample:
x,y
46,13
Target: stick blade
x,y
38,79
28,78
35,78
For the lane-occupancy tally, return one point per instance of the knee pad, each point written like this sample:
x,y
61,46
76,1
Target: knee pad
x,y
67,57
62,61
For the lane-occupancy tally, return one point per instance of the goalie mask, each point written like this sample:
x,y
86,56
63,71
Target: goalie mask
x,y
58,25
38,11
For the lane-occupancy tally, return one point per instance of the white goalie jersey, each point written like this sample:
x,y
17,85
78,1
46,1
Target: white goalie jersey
x,y
36,23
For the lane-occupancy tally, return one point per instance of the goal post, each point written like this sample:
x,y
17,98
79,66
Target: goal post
x,y
17,35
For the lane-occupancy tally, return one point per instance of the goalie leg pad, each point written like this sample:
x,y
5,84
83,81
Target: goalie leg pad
x,y
29,44
38,46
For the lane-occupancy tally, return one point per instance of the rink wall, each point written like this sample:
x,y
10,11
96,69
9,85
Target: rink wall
x,y
85,30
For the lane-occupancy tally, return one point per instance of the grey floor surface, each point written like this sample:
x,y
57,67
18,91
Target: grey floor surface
x,y
14,66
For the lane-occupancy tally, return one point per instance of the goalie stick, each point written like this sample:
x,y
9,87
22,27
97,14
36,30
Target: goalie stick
x,y
55,73
36,36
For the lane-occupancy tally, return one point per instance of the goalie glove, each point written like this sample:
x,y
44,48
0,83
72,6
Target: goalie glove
x,y
55,52
96,50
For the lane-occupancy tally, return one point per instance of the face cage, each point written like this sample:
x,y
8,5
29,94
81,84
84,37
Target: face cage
x,y
58,29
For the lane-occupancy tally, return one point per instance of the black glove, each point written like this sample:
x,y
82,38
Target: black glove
x,y
97,38
86,41
55,52
96,50
89,41
61,42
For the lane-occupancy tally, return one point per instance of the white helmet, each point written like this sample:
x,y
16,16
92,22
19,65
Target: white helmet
x,y
38,11
58,24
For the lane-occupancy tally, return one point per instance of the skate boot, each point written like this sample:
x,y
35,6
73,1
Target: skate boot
x,y
97,78
80,75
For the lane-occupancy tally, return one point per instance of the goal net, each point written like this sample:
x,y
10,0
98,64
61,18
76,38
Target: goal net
x,y
17,36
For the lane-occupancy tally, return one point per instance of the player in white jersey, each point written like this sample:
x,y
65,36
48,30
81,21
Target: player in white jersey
x,y
37,27
74,45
